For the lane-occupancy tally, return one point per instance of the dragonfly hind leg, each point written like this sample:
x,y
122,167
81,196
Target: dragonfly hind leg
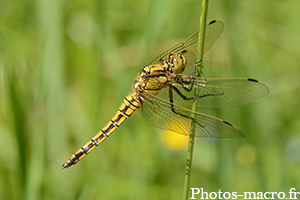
x,y
173,108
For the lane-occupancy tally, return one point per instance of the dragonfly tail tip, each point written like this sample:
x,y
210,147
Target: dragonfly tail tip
x,y
64,166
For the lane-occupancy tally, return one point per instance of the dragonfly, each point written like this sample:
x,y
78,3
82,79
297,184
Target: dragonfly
x,y
164,91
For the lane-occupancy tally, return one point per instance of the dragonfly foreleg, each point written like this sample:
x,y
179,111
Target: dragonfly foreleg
x,y
195,68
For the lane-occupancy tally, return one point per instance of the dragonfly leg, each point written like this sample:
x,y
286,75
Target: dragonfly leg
x,y
195,68
191,98
190,80
173,108
211,95
182,95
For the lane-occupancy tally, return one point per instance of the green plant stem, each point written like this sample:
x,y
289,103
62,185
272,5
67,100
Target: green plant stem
x,y
194,107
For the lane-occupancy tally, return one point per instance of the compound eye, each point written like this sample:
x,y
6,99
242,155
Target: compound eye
x,y
178,62
183,59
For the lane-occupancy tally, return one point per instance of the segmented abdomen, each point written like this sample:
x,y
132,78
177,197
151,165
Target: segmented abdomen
x,y
130,104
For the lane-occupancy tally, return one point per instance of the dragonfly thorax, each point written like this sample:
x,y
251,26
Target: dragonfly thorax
x,y
177,62
153,78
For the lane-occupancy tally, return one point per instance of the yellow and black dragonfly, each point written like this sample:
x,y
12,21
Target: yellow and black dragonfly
x,y
162,86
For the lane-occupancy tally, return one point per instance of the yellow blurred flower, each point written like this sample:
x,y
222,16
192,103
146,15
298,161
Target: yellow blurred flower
x,y
174,141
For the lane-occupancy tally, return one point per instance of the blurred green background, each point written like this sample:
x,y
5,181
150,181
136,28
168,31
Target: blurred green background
x,y
65,67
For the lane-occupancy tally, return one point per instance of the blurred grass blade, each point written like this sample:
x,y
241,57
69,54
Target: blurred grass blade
x,y
16,98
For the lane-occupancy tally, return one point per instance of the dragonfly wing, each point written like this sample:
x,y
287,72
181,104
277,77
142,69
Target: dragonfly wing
x,y
215,92
165,115
189,47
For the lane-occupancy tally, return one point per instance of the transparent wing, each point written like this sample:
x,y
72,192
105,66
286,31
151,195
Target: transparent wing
x,y
189,47
215,92
165,115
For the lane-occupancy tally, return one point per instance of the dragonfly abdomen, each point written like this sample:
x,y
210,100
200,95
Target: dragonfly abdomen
x,y
130,105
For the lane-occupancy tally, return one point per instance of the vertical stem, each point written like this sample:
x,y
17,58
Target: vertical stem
x,y
194,107
201,38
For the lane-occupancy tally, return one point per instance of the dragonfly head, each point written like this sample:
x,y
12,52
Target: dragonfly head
x,y
177,62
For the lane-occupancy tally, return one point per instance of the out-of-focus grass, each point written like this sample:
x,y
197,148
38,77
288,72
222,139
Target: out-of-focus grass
x,y
66,66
